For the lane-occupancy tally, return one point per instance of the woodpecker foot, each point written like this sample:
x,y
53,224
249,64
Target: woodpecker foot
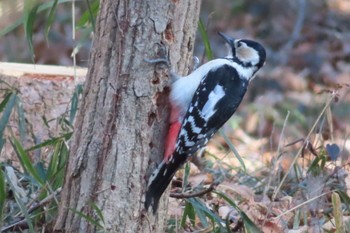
x,y
164,59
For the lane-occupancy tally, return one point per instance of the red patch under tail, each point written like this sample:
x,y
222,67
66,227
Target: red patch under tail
x,y
173,132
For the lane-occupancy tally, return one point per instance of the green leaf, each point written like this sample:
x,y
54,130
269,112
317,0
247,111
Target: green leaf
x,y
51,142
89,15
6,105
54,161
344,197
314,168
87,218
40,168
98,212
2,143
201,207
201,214
74,102
5,101
21,205
28,28
45,121
203,31
228,222
56,169
185,176
249,225
233,149
188,211
21,120
2,194
25,161
296,222
22,20
337,213
30,15
50,19
11,27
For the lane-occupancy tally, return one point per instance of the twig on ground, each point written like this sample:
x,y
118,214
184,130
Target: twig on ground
x,y
275,159
301,149
302,204
306,145
197,194
22,223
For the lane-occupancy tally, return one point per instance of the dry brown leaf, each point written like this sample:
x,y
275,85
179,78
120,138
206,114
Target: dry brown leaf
x,y
197,179
329,225
302,229
241,192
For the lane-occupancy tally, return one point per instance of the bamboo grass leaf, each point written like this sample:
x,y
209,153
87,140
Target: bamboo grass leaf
x,y
233,149
2,193
50,19
205,38
6,106
337,213
51,142
25,161
21,205
87,218
249,225
28,28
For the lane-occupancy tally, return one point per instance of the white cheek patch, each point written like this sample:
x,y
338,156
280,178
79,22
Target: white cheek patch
x,y
213,98
247,54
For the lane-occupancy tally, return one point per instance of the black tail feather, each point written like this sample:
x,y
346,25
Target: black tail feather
x,y
160,179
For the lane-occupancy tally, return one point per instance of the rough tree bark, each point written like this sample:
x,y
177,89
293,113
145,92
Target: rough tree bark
x,y
121,123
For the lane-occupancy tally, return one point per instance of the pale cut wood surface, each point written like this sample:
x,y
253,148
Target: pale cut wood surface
x,y
18,69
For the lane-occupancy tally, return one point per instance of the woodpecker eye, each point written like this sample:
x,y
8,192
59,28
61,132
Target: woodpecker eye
x,y
239,44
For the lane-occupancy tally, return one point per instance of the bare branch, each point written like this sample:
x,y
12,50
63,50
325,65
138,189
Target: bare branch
x,y
197,194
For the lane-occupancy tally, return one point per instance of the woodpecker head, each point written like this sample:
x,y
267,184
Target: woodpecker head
x,y
247,52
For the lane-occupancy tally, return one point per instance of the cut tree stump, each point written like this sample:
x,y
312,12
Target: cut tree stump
x,y
45,93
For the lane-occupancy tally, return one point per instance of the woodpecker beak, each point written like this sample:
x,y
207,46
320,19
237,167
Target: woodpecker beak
x,y
228,39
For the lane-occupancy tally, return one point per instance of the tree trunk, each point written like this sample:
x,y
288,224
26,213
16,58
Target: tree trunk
x,y
122,123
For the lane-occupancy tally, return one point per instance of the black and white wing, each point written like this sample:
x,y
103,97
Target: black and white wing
x,y
214,102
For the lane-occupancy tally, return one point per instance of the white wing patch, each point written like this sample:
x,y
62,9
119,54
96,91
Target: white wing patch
x,y
214,96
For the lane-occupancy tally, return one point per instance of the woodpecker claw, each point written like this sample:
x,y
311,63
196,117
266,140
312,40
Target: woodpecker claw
x,y
164,59
158,60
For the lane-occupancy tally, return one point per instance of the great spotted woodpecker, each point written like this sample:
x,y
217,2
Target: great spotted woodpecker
x,y
201,103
